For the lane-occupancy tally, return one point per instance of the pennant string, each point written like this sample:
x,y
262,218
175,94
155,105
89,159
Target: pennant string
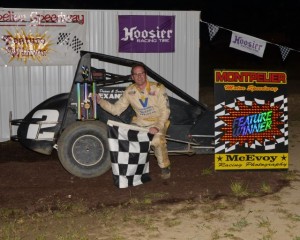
x,y
213,29
284,52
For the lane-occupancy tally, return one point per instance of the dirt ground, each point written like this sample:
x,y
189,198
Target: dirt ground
x,y
40,200
34,182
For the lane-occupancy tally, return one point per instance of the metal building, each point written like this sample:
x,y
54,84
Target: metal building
x,y
24,87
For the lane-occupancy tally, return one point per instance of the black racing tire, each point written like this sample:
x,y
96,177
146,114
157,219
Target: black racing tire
x,y
83,149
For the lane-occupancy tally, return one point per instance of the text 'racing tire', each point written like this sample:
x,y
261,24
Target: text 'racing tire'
x,y
83,149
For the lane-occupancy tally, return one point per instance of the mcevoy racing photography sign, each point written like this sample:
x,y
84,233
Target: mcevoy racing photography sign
x,y
146,34
41,37
251,120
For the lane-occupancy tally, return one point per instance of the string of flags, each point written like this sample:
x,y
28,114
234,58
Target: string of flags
x,y
284,51
213,29
247,43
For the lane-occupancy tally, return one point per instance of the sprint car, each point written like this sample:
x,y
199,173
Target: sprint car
x,y
75,125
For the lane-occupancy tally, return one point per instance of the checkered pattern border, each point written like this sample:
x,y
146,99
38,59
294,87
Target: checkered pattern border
x,y
221,146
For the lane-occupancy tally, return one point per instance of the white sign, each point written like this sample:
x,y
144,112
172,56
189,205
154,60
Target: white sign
x,y
41,37
248,44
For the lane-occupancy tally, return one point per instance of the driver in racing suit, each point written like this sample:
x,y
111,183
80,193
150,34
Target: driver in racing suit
x,y
150,102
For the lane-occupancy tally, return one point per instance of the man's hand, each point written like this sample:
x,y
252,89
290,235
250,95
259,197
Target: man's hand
x,y
153,130
97,98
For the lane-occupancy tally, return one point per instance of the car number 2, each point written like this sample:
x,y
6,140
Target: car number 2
x,y
35,131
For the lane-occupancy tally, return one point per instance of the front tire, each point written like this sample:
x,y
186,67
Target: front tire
x,y
83,149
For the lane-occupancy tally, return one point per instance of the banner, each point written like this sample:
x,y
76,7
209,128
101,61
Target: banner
x,y
251,120
146,34
247,44
41,37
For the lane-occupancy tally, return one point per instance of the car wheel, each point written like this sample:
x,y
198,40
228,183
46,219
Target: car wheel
x,y
83,149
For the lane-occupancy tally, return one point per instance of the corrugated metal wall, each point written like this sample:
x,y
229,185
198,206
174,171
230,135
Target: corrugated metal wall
x,y
23,88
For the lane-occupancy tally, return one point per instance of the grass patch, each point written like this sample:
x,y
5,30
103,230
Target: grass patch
x,y
287,215
290,176
145,221
6,213
187,208
148,199
9,231
264,222
172,222
240,224
239,189
266,188
207,171
214,206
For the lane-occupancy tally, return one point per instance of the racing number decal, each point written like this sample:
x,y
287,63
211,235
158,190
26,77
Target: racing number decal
x,y
35,130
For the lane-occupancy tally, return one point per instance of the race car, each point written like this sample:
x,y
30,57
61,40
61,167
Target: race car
x,y
76,126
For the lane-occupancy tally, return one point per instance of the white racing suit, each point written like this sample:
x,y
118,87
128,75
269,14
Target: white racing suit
x,y
152,110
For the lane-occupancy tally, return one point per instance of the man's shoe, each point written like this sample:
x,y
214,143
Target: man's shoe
x,y
165,173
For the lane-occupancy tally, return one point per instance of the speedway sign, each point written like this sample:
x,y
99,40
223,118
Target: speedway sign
x,y
251,120
41,37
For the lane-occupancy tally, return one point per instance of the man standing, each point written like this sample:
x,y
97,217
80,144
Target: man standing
x,y
150,102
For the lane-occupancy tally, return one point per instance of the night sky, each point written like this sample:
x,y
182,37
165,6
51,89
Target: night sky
x,y
276,22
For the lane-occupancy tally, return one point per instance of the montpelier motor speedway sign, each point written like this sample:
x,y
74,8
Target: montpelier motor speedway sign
x,y
251,120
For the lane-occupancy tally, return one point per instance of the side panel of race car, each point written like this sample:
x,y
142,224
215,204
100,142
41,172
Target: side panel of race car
x,y
39,129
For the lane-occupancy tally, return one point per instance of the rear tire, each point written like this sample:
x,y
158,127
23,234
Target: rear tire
x,y
83,149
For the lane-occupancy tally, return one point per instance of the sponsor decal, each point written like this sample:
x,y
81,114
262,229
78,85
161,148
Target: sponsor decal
x,y
111,93
144,101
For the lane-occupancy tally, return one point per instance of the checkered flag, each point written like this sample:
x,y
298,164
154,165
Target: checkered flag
x,y
76,44
129,149
63,39
284,52
213,29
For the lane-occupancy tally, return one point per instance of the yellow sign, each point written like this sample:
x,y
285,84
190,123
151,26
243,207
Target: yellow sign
x,y
251,120
237,161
